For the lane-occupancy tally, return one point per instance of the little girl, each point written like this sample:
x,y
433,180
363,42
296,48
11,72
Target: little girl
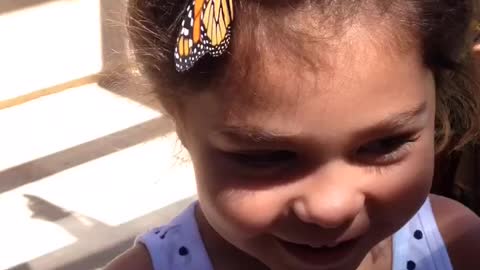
x,y
313,127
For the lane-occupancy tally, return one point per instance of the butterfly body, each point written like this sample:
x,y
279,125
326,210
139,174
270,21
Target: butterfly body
x,y
206,28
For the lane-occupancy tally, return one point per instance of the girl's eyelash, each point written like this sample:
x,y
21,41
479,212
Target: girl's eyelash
x,y
377,154
261,160
385,151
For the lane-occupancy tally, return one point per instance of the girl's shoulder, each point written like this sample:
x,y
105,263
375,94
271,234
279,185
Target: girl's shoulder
x,y
460,230
177,245
135,258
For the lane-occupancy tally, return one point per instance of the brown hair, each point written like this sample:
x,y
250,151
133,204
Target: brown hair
x,y
442,28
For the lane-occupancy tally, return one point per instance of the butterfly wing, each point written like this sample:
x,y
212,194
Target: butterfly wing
x,y
206,28
217,20
190,45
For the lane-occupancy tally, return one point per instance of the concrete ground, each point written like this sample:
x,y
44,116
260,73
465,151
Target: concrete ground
x,y
82,172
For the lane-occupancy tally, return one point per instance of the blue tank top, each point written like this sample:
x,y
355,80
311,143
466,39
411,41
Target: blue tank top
x,y
418,245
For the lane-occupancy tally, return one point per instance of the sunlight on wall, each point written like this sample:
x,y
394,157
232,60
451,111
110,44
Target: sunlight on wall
x,y
49,44
55,123
141,180
97,163
82,171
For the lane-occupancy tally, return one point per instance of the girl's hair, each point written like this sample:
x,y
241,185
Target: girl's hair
x,y
443,29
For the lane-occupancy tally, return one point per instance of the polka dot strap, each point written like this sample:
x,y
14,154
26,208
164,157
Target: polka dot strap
x,y
419,245
177,245
434,239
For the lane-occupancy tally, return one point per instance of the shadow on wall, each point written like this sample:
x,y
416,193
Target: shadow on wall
x,y
91,238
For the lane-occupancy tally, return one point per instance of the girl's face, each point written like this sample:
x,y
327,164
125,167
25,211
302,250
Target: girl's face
x,y
315,167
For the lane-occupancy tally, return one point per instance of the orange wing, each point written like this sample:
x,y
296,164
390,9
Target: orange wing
x,y
190,47
206,28
217,20
197,20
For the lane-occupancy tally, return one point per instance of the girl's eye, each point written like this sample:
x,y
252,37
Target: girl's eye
x,y
385,151
263,159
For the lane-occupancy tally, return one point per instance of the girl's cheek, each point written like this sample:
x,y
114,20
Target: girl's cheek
x,y
404,184
235,203
249,213
403,188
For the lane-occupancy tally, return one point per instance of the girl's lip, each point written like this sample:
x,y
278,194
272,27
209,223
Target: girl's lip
x,y
318,245
321,255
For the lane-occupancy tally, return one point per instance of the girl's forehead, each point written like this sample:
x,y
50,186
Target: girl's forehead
x,y
360,88
328,89
282,80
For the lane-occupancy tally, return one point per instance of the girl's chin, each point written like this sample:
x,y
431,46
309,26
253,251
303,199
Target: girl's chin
x,y
302,257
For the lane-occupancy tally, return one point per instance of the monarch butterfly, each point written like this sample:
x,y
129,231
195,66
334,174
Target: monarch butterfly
x,y
206,28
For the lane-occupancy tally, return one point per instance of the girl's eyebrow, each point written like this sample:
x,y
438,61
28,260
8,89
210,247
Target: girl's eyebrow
x,y
396,121
254,134
257,134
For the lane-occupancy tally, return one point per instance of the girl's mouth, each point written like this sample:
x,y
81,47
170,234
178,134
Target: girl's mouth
x,y
317,255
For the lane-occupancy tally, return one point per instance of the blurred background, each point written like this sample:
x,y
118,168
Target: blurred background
x,y
87,162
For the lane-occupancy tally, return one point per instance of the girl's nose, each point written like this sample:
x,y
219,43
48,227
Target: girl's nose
x,y
328,204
